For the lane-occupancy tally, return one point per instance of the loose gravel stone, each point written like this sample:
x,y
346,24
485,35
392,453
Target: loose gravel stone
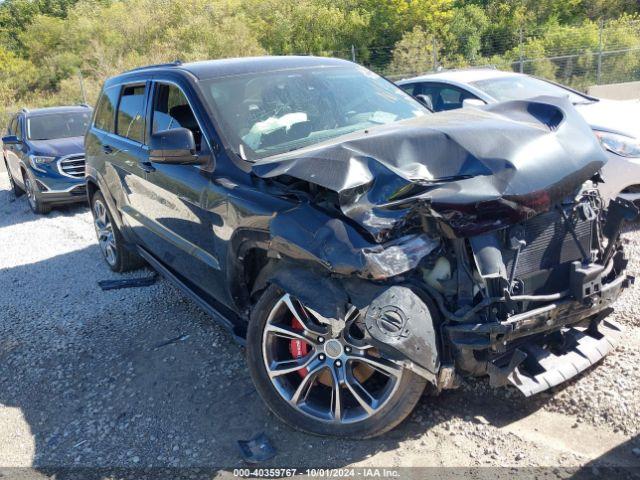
x,y
83,383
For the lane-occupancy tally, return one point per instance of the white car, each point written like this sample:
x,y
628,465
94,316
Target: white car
x,y
615,123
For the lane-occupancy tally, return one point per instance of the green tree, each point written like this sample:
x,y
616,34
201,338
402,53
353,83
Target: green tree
x,y
414,53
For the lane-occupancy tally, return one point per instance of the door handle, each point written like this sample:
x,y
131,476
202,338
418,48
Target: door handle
x,y
147,167
108,149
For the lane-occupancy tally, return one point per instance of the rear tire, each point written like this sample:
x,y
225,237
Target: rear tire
x,y
112,244
346,421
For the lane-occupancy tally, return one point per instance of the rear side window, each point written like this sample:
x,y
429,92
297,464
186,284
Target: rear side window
x,y
106,109
130,123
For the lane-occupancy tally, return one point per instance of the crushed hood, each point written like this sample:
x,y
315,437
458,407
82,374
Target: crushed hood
x,y
475,169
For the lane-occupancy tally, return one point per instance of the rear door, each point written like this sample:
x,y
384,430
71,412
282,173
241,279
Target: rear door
x,y
126,154
177,223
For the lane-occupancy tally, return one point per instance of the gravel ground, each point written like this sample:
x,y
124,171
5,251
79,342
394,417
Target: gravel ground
x,y
87,379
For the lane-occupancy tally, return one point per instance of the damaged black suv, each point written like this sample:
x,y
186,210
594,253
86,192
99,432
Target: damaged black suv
x,y
362,247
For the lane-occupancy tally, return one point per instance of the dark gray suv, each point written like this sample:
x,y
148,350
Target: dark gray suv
x,y
361,247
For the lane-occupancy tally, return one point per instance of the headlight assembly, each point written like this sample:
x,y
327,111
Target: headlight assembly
x,y
38,161
619,144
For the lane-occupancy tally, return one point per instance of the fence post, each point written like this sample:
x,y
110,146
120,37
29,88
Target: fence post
x,y
353,54
435,53
84,94
600,46
521,50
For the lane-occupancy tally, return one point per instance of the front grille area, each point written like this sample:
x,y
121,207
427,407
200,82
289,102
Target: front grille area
x,y
72,166
549,244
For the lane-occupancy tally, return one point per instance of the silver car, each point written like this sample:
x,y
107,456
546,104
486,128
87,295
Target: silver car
x,y
615,123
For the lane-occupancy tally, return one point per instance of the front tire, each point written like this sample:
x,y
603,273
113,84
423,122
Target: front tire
x,y
17,191
112,244
336,385
35,202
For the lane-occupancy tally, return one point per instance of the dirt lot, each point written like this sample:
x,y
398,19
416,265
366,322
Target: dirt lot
x,y
85,380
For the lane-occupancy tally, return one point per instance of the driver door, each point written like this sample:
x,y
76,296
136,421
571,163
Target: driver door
x,y
178,209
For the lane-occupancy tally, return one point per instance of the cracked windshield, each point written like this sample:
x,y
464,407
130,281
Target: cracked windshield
x,y
280,111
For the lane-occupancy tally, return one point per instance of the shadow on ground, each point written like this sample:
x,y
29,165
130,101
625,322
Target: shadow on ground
x,y
141,379
98,385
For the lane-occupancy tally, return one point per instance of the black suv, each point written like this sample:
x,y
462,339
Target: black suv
x,y
44,155
362,247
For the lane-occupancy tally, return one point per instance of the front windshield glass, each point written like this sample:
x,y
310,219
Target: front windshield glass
x,y
58,125
268,113
523,87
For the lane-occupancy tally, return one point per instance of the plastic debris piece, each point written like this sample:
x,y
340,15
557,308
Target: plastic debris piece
x,y
256,450
127,283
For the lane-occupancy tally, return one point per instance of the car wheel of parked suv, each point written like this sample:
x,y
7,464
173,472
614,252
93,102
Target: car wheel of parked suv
x,y
321,380
36,204
17,191
112,245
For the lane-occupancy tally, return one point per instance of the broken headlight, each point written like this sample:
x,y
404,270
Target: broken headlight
x,y
619,144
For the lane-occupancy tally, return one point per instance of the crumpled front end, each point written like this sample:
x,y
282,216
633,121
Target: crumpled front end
x,y
473,243
537,296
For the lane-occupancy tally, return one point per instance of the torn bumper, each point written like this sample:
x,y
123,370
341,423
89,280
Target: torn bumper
x,y
542,369
498,335
542,347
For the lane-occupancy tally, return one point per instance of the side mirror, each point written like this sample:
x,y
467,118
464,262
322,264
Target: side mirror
x,y
175,146
11,140
472,103
425,100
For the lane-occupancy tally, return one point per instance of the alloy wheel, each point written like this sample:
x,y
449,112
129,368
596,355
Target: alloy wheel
x,y
324,368
104,231
31,194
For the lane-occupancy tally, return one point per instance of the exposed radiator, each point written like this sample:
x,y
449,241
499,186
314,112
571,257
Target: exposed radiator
x,y
549,243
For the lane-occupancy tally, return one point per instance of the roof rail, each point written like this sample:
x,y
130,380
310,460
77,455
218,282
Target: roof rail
x,y
85,105
175,63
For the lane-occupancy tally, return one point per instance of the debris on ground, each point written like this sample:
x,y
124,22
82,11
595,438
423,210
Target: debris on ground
x,y
257,450
128,282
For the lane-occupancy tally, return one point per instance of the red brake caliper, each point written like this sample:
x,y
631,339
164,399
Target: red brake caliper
x,y
298,348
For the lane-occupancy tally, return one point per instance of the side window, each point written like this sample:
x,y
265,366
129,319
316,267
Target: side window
x,y
17,127
11,126
172,110
106,109
131,113
408,88
444,97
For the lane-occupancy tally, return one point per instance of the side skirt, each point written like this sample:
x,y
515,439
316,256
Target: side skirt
x,y
233,328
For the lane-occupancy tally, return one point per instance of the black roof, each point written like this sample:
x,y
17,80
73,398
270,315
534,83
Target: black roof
x,y
237,66
36,112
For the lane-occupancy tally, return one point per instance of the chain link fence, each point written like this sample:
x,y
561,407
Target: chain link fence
x,y
578,56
